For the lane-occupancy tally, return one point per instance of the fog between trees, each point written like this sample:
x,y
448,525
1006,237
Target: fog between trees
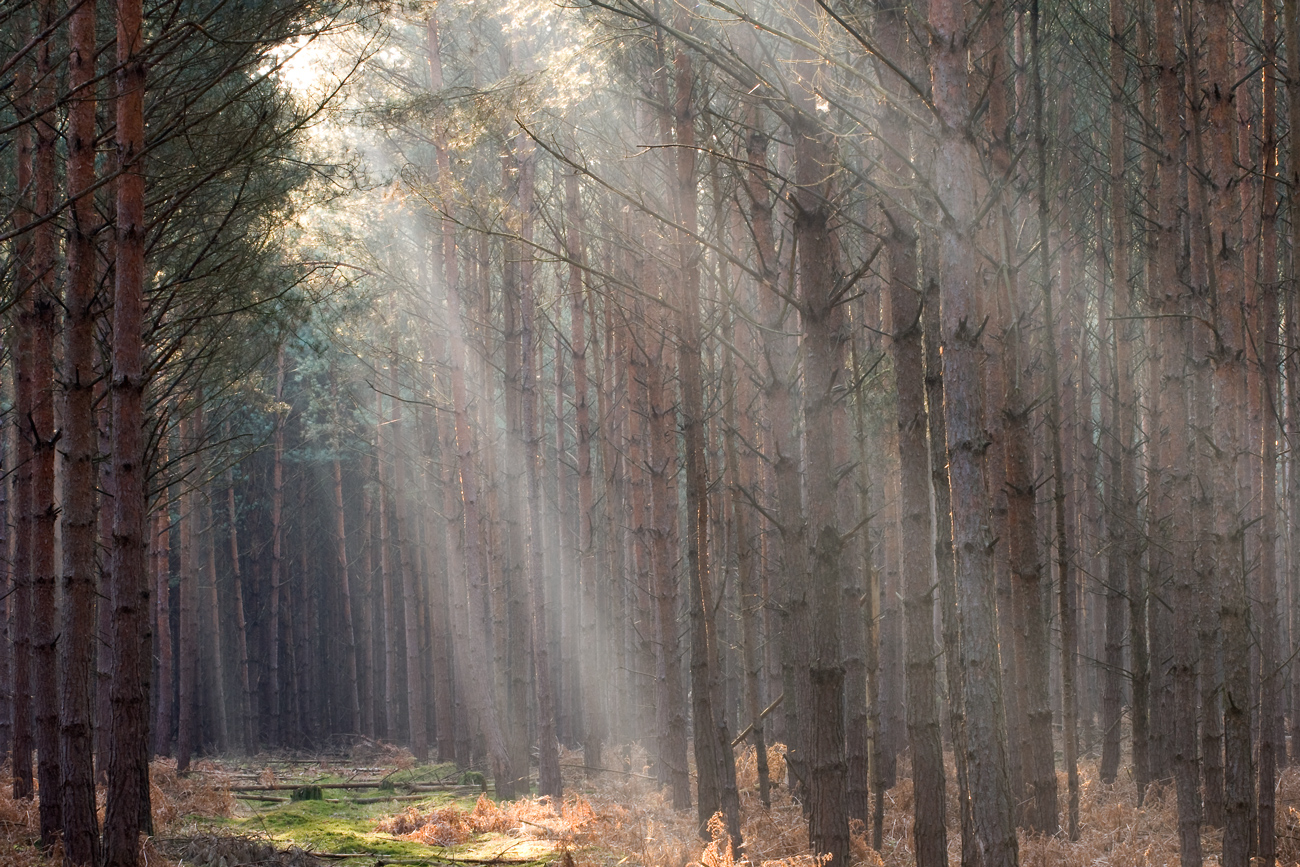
x,y
889,381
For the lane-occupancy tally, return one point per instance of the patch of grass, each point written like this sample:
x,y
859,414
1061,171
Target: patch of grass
x,y
322,826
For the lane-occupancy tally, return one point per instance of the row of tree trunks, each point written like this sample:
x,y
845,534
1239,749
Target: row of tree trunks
x,y
1210,417
473,628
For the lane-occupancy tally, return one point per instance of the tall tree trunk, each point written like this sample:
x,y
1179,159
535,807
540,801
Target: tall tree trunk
x,y
1270,690
160,552
1067,590
188,649
22,325
822,353
301,619
548,757
387,637
248,728
353,693
6,590
742,474
103,610
1123,563
76,651
44,436
928,831
567,593
1227,303
444,548
595,726
671,721
1170,448
1290,286
1272,746
128,769
941,491
372,692
714,760
274,713
415,686
1138,588
210,606
614,555
1024,558
1116,578
964,418
782,446
512,595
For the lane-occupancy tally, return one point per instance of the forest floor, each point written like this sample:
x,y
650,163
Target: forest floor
x,y
376,806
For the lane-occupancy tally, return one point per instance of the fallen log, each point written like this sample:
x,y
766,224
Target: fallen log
x,y
410,787
736,741
266,799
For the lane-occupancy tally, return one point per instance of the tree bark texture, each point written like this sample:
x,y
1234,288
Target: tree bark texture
x,y
128,769
80,440
963,415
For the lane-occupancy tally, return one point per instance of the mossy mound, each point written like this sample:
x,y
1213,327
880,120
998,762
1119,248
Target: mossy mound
x,y
330,827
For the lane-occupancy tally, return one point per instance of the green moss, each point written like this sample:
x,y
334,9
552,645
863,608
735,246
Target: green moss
x,y
338,825
324,826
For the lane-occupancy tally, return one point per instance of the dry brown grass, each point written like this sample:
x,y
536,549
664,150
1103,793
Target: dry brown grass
x,y
205,793
451,825
624,820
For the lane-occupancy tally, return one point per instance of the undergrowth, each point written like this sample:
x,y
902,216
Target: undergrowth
x,y
607,820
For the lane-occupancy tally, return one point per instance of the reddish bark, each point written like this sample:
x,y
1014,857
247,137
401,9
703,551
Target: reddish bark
x,y
23,782
79,524
40,424
160,553
1272,748
187,636
128,773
